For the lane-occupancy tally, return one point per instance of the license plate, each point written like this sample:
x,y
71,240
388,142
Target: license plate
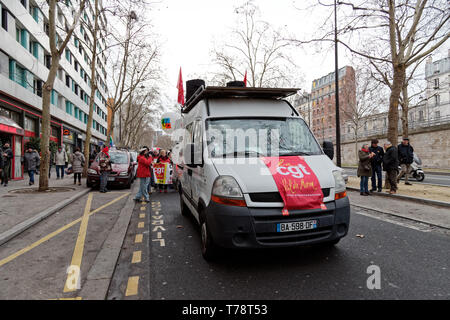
x,y
111,178
296,226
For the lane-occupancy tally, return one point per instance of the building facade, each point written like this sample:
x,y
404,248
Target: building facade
x,y
323,103
437,76
303,106
24,65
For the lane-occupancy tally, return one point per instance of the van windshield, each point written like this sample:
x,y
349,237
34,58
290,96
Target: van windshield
x,y
254,137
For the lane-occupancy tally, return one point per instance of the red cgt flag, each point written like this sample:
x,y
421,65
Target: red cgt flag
x,y
180,89
245,79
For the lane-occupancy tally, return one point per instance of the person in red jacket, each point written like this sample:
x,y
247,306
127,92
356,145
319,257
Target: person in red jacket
x,y
143,173
163,158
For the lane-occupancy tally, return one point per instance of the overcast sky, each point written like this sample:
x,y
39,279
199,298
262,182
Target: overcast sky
x,y
188,30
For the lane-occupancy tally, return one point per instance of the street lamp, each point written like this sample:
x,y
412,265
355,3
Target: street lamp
x,y
338,123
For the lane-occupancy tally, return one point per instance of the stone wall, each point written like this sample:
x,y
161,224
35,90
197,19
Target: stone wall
x,y
432,145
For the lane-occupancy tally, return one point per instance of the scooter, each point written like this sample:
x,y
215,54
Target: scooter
x,y
416,168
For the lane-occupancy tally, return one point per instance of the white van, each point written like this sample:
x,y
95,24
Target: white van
x,y
230,190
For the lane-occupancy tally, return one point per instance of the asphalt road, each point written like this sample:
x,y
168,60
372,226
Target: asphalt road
x,y
436,179
414,262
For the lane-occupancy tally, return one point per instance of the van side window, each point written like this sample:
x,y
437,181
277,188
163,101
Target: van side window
x,y
188,133
198,142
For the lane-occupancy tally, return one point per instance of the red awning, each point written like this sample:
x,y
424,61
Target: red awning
x,y
10,126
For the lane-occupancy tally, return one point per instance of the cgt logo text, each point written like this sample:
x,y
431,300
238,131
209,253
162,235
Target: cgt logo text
x,y
297,171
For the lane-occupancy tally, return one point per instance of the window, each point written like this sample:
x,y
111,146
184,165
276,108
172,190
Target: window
x,y
436,83
437,99
5,19
30,124
437,114
37,87
421,115
24,3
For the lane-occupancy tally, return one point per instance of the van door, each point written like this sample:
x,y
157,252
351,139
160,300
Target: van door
x,y
197,179
186,177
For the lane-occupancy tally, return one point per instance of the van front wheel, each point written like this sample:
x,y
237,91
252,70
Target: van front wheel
x,y
209,249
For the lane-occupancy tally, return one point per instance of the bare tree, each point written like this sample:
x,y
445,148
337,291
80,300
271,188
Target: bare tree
x,y
164,142
135,62
256,47
404,31
367,101
56,50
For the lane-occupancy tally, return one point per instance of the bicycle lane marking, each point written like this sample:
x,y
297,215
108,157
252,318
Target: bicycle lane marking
x,y
73,271
55,233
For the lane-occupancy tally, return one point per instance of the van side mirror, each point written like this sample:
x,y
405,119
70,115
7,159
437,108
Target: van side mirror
x,y
328,149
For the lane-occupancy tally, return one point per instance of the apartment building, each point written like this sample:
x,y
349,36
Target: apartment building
x,y
24,65
323,103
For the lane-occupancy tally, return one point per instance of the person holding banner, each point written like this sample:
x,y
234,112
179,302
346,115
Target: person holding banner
x,y
143,173
165,160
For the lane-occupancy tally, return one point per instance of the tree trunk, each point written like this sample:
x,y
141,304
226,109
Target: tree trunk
x,y
45,129
111,127
397,85
405,109
93,88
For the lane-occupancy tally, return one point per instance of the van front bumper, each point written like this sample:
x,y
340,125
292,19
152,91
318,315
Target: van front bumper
x,y
243,227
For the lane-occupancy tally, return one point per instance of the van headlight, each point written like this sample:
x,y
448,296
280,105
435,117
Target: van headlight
x,y
339,182
226,191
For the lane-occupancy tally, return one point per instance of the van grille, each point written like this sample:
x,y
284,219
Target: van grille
x,y
275,196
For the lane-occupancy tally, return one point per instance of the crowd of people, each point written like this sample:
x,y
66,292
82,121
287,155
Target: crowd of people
x,y
374,159
146,159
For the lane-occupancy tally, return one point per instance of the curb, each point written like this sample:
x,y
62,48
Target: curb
x,y
402,197
399,216
24,225
102,270
438,173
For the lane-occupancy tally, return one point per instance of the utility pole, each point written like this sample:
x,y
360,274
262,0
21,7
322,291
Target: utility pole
x,y
336,70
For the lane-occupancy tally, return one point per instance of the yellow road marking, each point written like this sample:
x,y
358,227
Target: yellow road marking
x,y
138,238
132,286
142,215
72,283
143,208
54,233
136,257
141,225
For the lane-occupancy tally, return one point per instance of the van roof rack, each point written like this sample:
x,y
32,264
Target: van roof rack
x,y
241,92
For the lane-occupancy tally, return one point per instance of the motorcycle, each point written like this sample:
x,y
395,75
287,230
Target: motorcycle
x,y
416,171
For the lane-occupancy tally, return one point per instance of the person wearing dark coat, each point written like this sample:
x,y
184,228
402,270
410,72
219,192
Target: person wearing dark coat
x,y
7,156
376,163
390,165
364,169
405,157
31,161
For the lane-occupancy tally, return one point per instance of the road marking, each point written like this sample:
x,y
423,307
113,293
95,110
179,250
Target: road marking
x,y
385,219
73,283
54,233
136,257
132,286
138,238
159,235
143,208
141,225
76,298
142,215
162,243
159,227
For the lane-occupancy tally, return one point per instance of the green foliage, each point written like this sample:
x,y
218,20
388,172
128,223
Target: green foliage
x,y
35,143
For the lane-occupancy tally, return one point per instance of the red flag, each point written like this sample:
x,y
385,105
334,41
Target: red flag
x,y
180,89
245,79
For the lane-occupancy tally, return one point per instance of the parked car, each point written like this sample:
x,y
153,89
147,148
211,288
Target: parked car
x,y
237,203
122,170
134,155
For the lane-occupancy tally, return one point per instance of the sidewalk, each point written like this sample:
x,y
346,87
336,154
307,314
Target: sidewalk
x,y
17,208
442,172
416,190
433,215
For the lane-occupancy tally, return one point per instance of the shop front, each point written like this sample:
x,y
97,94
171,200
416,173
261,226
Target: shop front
x,y
12,133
